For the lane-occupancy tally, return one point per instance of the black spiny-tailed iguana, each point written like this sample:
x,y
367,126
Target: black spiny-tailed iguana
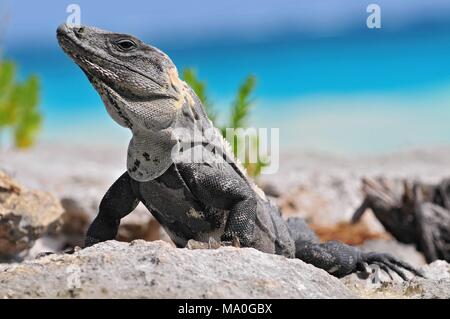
x,y
413,212
193,200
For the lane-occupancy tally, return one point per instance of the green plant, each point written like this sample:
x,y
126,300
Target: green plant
x,y
240,109
199,88
239,118
19,103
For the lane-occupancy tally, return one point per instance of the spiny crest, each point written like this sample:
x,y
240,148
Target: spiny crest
x,y
229,151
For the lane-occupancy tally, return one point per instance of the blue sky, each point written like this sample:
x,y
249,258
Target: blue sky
x,y
178,21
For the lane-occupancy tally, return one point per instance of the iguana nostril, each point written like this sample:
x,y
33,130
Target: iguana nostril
x,y
79,31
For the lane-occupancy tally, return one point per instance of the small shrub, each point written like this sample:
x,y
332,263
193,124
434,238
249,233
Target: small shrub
x,y
19,106
239,118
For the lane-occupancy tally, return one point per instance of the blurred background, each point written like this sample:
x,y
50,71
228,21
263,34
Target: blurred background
x,y
327,80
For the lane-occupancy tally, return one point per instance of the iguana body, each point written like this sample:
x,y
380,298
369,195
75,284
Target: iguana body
x,y
193,200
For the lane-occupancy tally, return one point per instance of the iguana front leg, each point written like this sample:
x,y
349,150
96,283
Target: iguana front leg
x,y
220,187
118,202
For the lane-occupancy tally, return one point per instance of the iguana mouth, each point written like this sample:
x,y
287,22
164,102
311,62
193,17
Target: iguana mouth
x,y
83,56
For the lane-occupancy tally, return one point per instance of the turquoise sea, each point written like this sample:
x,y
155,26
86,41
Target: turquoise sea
x,y
361,93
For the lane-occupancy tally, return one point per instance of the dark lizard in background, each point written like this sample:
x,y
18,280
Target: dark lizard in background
x,y
210,199
413,212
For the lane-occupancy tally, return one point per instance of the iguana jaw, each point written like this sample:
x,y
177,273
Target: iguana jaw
x,y
83,55
92,49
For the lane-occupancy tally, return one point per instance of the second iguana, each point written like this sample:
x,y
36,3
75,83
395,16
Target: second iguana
x,y
210,199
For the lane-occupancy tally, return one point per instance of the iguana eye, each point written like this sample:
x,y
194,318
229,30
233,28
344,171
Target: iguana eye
x,y
125,45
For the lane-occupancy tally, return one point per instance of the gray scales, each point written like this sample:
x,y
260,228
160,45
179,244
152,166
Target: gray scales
x,y
207,201
411,211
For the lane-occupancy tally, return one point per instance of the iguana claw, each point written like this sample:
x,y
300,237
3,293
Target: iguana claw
x,y
388,264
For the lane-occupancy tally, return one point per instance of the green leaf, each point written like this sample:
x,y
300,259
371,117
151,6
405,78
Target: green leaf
x,y
242,104
7,75
30,91
7,110
240,114
19,102
25,132
29,119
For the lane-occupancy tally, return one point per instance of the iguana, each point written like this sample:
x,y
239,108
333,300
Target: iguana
x,y
207,200
413,212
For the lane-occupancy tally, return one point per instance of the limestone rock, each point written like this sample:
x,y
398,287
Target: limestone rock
x,y
25,215
436,284
157,270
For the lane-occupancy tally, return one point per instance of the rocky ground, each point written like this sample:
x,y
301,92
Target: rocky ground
x,y
25,216
63,185
155,269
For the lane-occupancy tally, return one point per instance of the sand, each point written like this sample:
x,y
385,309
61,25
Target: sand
x,y
321,186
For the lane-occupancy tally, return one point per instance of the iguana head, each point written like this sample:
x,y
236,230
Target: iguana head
x,y
138,83
141,90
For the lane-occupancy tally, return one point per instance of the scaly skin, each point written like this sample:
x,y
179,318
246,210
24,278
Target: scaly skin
x,y
414,213
193,200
